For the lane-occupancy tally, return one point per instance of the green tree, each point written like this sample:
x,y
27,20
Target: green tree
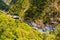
x,y
13,29
19,8
36,8
57,32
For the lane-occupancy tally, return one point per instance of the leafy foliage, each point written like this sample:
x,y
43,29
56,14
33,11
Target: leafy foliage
x,y
57,32
11,29
28,8
36,10
37,6
19,8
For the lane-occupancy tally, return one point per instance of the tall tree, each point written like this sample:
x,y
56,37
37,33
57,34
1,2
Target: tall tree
x,y
19,8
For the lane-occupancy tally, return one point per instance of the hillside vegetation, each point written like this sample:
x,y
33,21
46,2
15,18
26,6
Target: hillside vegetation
x,y
42,12
45,10
11,29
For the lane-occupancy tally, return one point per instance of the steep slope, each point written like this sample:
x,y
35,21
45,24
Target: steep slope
x,y
28,8
11,29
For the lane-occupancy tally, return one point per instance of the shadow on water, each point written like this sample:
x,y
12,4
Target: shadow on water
x,y
3,6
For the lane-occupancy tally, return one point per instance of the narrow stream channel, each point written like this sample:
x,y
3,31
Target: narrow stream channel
x,y
45,29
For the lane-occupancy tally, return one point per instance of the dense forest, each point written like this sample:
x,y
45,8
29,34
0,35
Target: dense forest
x,y
29,19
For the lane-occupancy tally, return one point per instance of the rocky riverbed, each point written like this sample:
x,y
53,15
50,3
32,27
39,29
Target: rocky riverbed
x,y
44,29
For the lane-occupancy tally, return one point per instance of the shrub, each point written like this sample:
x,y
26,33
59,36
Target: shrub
x,y
12,29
